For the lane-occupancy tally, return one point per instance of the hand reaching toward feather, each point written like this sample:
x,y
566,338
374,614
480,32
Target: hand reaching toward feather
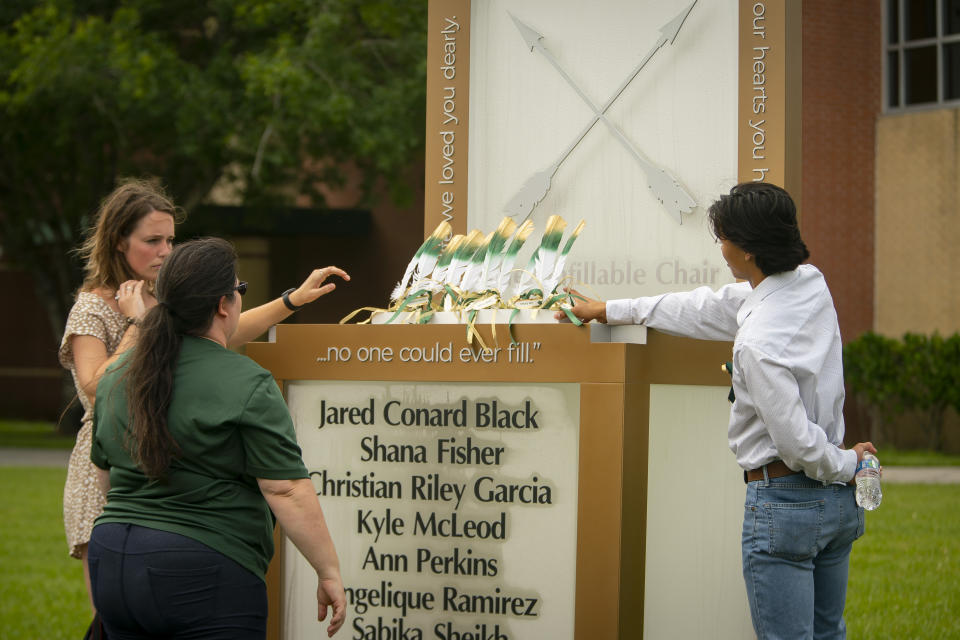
x,y
585,309
254,322
315,285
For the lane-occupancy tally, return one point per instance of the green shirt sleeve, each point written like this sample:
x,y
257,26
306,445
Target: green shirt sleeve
x,y
269,439
97,455
109,413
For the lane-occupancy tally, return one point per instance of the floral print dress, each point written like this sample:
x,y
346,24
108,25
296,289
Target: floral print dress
x,y
82,499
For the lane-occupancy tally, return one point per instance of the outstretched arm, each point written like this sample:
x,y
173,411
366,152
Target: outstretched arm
x,y
295,504
703,313
257,320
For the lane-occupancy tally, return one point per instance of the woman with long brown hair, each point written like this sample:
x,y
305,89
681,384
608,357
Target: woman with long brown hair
x,y
197,448
132,235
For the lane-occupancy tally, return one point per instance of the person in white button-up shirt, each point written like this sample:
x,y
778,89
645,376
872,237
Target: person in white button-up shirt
x,y
786,423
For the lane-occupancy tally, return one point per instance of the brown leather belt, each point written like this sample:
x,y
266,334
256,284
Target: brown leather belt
x,y
775,469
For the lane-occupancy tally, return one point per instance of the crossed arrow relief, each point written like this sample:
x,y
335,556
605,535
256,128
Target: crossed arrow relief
x,y
665,188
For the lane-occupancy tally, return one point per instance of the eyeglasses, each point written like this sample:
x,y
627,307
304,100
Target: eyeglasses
x,y
241,288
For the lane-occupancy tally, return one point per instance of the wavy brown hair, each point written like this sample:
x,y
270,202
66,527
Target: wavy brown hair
x,y
116,219
192,280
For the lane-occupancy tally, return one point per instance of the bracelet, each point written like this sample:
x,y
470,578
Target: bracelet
x,y
132,320
286,300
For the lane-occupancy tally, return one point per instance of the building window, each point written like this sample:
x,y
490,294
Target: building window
x,y
922,53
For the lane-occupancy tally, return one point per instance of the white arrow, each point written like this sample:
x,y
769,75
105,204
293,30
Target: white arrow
x,y
664,186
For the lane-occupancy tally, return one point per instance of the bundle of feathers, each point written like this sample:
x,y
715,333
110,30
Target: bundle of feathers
x,y
471,272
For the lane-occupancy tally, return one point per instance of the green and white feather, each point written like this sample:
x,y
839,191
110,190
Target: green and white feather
x,y
550,283
439,275
506,275
422,262
472,277
474,271
462,256
496,251
544,258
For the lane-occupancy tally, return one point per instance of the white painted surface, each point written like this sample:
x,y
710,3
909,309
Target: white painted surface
x,y
537,559
680,111
694,585
630,333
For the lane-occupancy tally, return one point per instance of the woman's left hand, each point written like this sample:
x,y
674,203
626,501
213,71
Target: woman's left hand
x,y
313,287
130,299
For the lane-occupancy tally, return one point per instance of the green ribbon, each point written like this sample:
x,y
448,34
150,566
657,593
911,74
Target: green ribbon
x,y
406,301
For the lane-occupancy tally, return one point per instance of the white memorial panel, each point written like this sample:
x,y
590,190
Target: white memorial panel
x,y
453,508
673,127
694,517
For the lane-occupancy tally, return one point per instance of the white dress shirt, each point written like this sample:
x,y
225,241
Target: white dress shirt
x,y
787,365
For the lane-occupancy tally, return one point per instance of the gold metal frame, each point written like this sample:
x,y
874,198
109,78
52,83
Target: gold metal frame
x,y
614,381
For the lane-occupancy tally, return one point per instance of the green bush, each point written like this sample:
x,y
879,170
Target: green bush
x,y
917,373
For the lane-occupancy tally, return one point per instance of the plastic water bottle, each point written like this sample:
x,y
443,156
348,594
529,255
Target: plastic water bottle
x,y
868,482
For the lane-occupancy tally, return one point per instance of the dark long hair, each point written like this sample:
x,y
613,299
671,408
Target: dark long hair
x,y
761,219
192,280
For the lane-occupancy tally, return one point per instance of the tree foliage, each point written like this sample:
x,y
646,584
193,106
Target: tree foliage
x,y
273,97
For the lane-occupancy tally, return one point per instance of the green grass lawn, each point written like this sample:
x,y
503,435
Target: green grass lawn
x,y
36,435
903,573
41,588
890,457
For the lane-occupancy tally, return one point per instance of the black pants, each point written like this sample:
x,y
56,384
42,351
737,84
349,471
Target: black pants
x,y
151,584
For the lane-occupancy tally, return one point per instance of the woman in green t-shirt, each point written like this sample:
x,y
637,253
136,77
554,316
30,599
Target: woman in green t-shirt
x,y
198,451
130,237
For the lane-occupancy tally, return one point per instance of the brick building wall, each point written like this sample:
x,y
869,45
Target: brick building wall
x,y
841,102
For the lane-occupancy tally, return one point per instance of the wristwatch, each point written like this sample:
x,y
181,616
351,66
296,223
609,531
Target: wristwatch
x,y
286,300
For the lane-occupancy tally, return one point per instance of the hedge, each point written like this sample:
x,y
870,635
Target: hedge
x,y
917,373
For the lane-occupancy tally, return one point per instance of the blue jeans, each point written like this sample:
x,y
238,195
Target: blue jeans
x,y
797,536
150,584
